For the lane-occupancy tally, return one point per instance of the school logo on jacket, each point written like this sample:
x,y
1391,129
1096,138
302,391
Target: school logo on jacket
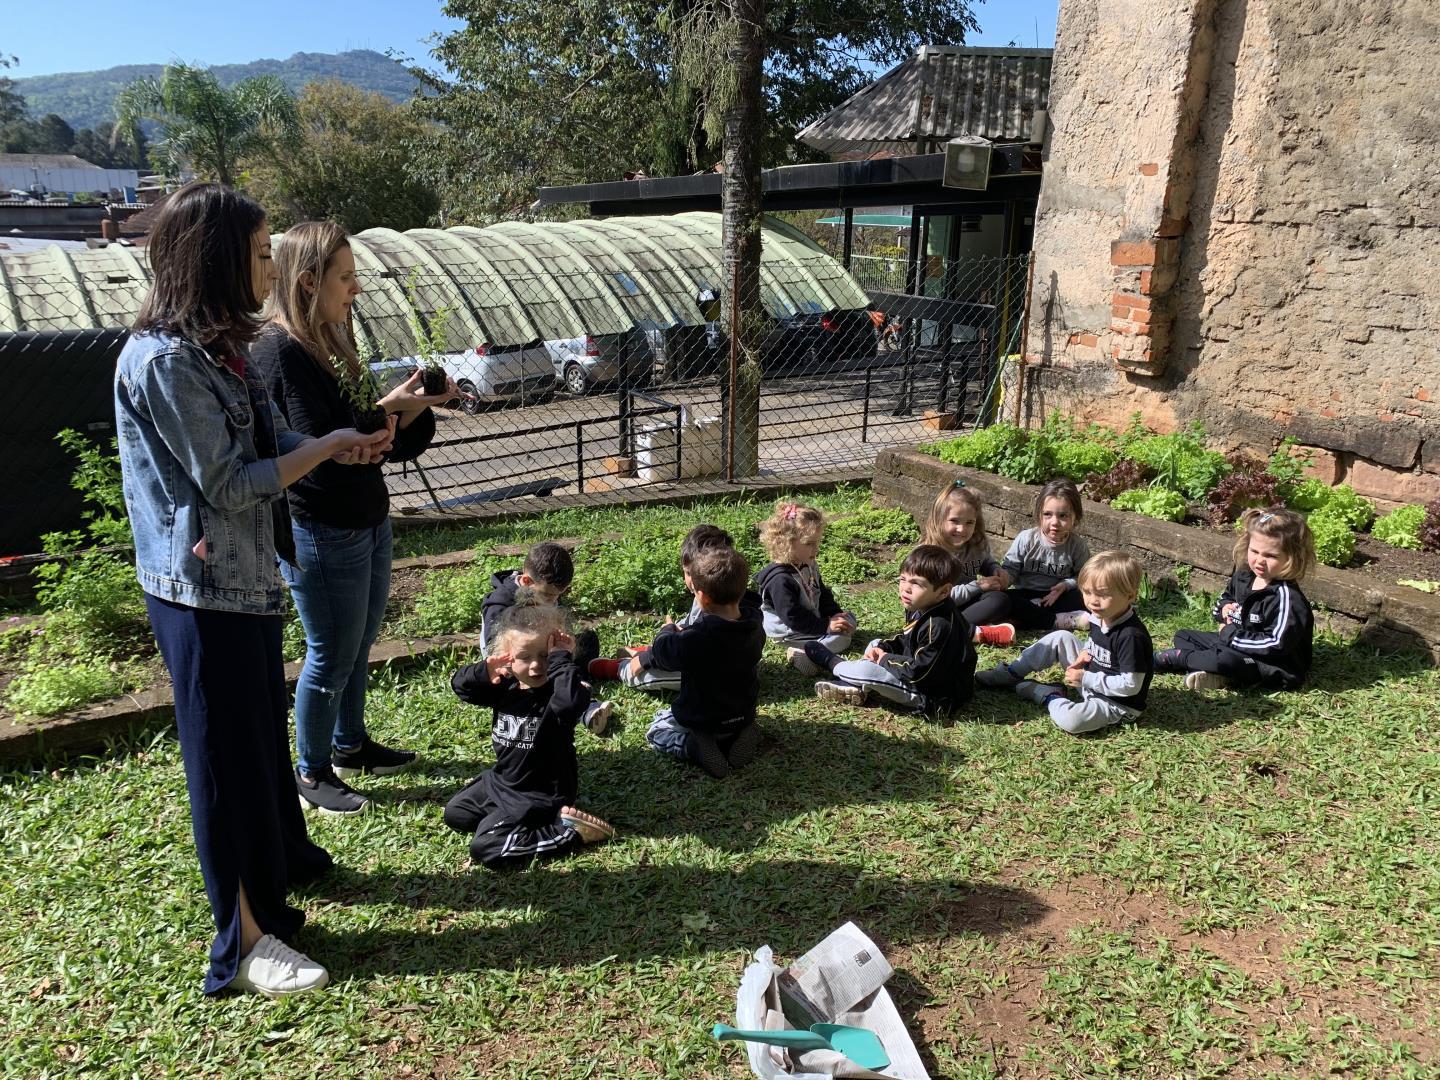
x,y
1100,654
515,732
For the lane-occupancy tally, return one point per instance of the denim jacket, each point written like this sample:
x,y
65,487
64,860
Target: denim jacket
x,y
192,469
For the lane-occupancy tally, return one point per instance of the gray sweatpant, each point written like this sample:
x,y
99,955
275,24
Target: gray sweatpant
x,y
880,680
1092,712
776,630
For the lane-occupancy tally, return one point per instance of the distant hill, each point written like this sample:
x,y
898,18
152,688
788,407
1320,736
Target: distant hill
x,y
87,98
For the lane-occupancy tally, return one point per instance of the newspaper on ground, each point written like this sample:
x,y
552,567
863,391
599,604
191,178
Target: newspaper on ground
x,y
839,981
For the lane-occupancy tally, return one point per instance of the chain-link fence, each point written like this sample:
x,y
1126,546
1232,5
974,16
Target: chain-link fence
x,y
578,381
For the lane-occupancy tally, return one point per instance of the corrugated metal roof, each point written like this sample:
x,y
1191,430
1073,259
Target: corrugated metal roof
x,y
940,93
507,284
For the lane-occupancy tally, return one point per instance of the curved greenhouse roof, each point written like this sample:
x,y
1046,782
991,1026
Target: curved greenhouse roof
x,y
506,284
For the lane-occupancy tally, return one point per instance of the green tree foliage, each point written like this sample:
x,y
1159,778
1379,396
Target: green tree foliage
x,y
352,164
206,127
537,93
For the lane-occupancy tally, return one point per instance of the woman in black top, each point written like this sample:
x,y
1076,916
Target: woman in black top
x,y
341,574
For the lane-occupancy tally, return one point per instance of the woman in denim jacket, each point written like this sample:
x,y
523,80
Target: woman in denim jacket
x,y
339,576
206,460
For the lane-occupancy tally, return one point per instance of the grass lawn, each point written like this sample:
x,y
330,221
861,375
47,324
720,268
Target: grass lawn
x,y
1241,885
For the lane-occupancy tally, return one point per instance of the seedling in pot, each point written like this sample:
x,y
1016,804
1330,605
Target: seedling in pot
x,y
361,390
430,339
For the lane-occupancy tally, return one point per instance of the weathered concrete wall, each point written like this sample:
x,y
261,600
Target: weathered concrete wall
x,y
1239,224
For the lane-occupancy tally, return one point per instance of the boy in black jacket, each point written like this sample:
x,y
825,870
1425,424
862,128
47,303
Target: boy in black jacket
x,y
1113,672
523,808
1267,629
712,721
930,665
545,578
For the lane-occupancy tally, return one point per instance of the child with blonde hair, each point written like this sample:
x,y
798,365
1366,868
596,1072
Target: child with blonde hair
x,y
1266,625
523,808
796,606
957,524
1112,672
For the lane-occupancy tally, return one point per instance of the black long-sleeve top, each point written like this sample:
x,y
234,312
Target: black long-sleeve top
x,y
536,771
342,496
934,655
797,597
1275,625
718,660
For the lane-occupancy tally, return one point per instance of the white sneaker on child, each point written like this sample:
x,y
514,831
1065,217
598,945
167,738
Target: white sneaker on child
x,y
1206,680
597,716
1072,620
841,692
276,970
803,663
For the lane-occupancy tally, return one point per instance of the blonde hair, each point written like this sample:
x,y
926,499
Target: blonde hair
x,y
309,248
934,532
526,618
1119,570
789,523
1286,528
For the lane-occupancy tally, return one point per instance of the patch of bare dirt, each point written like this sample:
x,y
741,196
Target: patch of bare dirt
x,y
1031,929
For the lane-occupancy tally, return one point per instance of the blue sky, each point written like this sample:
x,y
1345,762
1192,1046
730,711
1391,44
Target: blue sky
x,y
77,35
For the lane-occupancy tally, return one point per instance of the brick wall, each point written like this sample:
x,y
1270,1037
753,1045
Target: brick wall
x,y
1237,225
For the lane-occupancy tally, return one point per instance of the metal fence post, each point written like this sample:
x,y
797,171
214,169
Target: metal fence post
x,y
579,455
865,414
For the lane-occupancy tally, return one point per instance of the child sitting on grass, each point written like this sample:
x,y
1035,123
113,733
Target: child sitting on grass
x,y
1266,626
545,578
1040,569
712,721
797,607
957,524
524,808
702,537
929,667
1113,672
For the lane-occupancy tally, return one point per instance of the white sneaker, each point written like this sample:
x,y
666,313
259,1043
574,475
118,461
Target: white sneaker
x,y
803,663
1073,620
1206,680
844,693
597,716
276,970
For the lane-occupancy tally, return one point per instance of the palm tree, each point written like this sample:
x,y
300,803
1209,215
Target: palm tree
x,y
206,127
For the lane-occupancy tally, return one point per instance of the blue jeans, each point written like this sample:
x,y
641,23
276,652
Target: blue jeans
x,y
340,589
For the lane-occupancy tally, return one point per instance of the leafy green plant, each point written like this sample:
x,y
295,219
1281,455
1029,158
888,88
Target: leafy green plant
x,y
872,525
1248,486
1156,502
1075,450
1311,496
1287,466
44,689
1334,538
990,449
1401,528
1180,461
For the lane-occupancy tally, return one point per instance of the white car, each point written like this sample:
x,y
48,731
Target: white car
x,y
585,363
487,374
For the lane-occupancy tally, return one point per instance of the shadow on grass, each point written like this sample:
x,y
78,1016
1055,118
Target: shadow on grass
x,y
803,765
573,913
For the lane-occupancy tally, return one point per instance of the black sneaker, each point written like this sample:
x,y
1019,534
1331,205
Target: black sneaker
x,y
587,648
326,792
1170,662
371,757
742,750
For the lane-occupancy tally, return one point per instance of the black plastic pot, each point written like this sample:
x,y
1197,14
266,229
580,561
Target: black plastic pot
x,y
368,421
433,380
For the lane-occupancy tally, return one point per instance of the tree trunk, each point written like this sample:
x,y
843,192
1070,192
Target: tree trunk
x,y
741,202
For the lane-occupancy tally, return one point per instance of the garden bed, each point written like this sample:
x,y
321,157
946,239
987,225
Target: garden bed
x,y
1390,616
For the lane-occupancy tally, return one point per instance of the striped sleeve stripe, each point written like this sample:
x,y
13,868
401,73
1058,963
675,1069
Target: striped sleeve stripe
x,y
1272,639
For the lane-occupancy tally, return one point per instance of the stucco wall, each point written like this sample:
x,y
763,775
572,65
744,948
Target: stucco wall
x,y
1239,224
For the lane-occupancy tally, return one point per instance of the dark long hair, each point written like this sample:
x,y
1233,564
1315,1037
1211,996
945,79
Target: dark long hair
x,y
200,257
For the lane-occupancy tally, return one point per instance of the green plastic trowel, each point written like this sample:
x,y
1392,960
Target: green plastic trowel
x,y
860,1045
